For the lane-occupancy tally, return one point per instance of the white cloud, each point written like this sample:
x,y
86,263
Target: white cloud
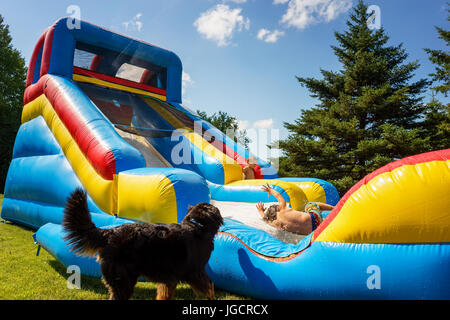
x,y
280,1
139,25
134,23
269,36
263,124
243,124
302,13
262,33
258,124
186,81
220,22
235,1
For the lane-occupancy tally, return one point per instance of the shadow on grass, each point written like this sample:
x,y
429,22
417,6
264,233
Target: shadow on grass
x,y
183,292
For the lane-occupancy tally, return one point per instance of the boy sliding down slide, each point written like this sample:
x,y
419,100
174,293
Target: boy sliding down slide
x,y
282,216
248,171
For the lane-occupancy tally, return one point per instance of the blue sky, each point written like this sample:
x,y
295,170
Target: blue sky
x,y
241,56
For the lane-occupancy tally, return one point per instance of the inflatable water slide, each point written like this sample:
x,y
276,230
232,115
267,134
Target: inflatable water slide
x,y
103,112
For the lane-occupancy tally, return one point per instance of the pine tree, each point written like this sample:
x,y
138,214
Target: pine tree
x,y
369,112
437,124
12,84
441,59
437,115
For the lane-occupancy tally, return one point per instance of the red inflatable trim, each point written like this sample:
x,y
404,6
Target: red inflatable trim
x,y
32,65
100,157
258,172
115,80
146,76
266,257
35,90
47,51
95,62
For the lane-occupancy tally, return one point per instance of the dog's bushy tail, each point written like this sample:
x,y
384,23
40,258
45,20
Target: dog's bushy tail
x,y
82,234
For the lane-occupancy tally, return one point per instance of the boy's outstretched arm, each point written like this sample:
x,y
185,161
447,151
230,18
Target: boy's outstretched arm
x,y
260,208
281,202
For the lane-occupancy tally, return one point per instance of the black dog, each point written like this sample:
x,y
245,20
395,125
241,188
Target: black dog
x,y
166,254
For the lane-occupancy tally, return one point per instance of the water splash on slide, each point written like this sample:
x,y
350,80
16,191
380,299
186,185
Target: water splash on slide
x,y
246,213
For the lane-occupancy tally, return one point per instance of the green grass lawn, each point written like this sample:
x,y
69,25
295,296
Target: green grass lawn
x,y
24,276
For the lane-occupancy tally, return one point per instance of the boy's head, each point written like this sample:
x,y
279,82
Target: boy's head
x,y
271,213
252,162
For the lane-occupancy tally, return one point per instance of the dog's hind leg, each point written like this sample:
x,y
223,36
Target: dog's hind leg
x,y
165,291
203,286
210,292
119,281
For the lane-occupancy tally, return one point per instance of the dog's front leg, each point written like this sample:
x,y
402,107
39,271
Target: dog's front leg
x,y
165,291
203,286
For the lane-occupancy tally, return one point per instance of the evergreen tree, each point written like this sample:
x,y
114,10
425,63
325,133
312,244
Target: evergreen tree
x,y
437,121
441,59
369,113
12,85
437,124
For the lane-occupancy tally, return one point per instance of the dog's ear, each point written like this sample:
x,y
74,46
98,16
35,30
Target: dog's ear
x,y
207,215
189,209
188,212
